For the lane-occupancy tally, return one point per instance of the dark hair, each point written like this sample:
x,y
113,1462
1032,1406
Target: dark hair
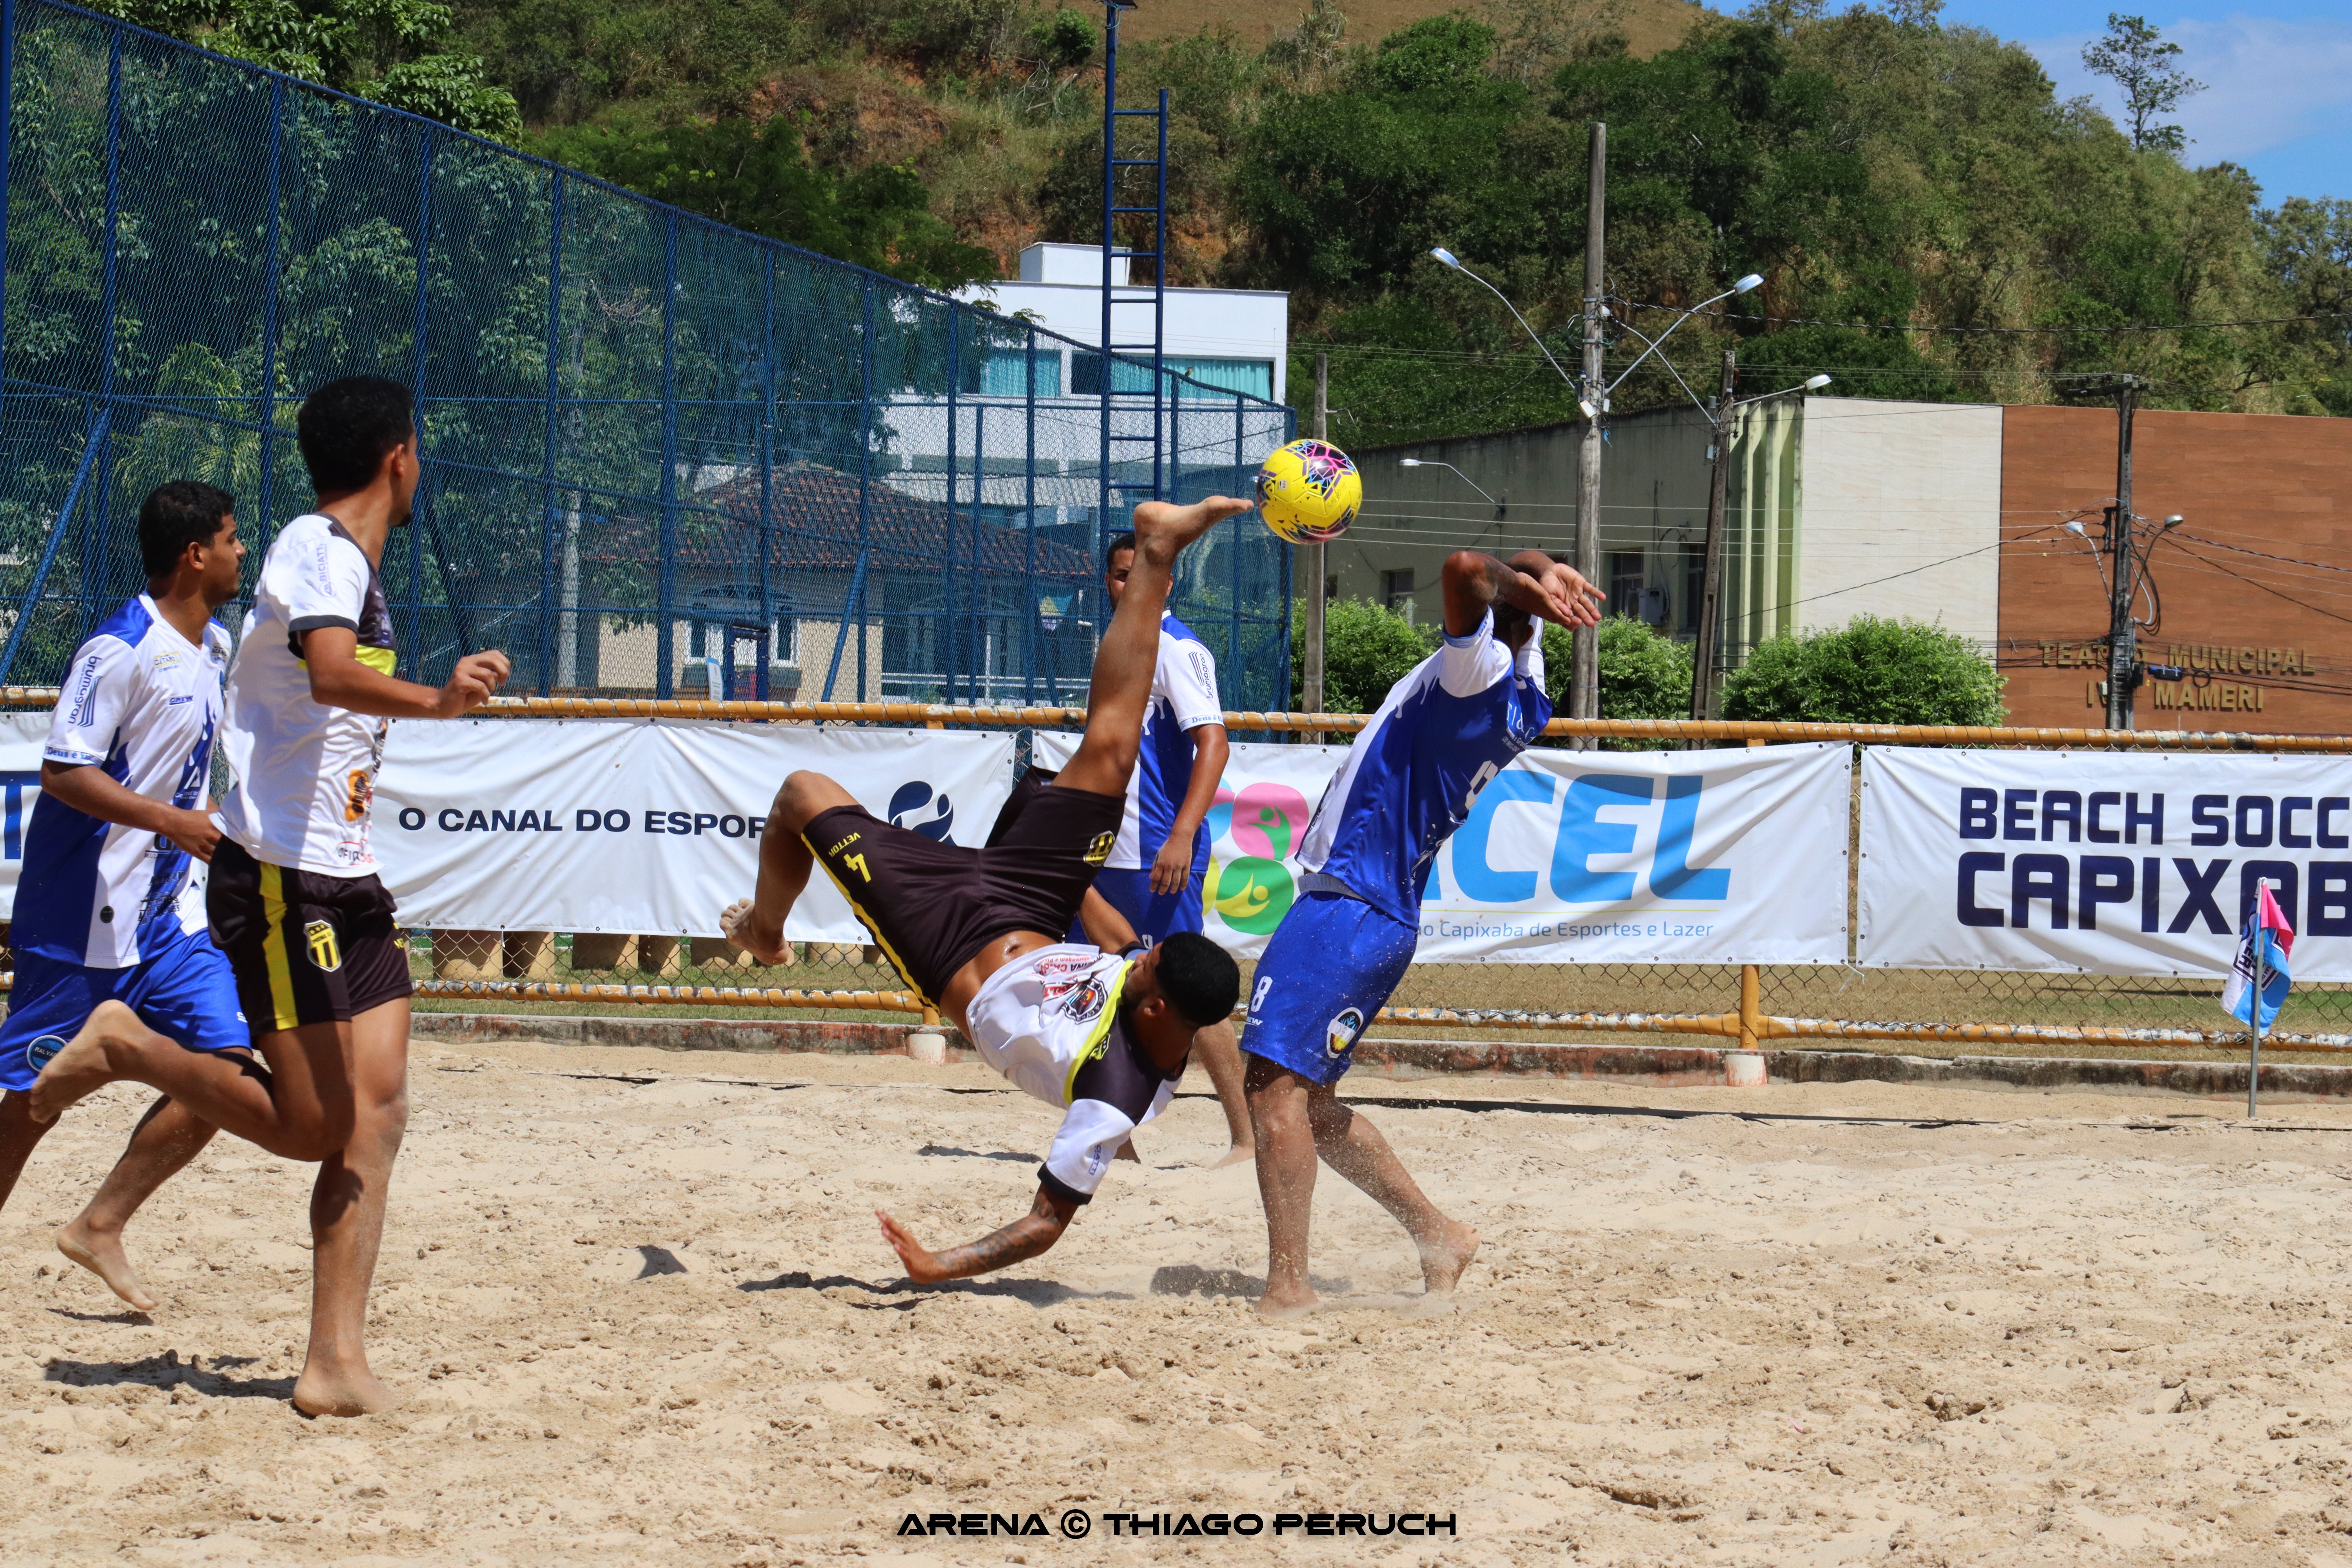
x,y
176,514
1118,542
1198,978
346,427
1509,620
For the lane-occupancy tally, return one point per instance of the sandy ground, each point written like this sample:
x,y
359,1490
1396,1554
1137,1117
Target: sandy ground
x,y
642,1314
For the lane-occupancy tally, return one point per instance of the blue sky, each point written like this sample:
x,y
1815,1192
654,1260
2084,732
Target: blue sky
x,y
2279,75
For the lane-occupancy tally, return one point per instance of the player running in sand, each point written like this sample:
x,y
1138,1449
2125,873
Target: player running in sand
x,y
110,907
978,932
293,899
1445,729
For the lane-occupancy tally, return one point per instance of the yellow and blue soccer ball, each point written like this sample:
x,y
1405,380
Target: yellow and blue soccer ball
x,y
1308,491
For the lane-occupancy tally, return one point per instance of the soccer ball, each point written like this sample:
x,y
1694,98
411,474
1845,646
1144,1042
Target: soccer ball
x,y
1308,491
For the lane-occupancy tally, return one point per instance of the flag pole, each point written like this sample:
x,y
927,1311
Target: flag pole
x,y
2254,1013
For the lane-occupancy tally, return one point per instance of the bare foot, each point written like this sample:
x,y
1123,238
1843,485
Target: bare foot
x,y
1277,1304
82,1067
1234,1156
103,1256
735,923
1163,528
1442,1260
319,1392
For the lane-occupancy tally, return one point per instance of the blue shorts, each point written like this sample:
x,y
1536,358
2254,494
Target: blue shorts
x,y
1328,971
185,993
1154,916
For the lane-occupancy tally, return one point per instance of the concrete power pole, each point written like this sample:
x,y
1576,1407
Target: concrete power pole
x,y
1710,598
2122,650
1584,689
1310,557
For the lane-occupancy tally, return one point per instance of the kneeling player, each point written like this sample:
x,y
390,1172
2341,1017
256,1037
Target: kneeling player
x,y
1445,729
977,932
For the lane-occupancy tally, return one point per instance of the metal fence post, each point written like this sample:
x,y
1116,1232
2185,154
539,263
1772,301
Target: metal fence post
x,y
94,526
268,507
948,613
865,489
1029,566
549,629
414,628
981,671
7,133
767,459
666,635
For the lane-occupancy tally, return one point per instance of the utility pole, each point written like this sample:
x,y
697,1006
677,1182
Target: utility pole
x,y
2121,650
1710,598
1584,688
1310,557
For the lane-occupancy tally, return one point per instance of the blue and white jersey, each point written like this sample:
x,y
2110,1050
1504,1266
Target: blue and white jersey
x,y
1445,729
1183,697
143,705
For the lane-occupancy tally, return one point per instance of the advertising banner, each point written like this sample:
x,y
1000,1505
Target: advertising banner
x,y
618,825
2093,862
21,738
1719,857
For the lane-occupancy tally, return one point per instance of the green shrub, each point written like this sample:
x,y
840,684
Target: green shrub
x,y
1642,676
1870,671
1366,649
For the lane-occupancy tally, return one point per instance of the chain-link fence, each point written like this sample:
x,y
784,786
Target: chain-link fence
x,y
662,457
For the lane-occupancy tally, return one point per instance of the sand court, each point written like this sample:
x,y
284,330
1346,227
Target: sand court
x,y
642,1311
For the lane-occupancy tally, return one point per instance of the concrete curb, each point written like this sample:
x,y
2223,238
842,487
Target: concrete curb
x,y
1677,1066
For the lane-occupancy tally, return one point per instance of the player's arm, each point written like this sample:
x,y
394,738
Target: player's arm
x,y
87,789
1104,925
1172,868
1475,582
338,679
1032,1234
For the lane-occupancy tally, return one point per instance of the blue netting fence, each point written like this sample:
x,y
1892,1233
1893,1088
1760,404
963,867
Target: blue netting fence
x,y
662,457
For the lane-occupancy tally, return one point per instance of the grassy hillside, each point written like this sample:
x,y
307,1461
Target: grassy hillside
x,y
1648,25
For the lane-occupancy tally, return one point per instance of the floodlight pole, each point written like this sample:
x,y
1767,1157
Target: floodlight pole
x,y
2122,640
1313,558
1585,688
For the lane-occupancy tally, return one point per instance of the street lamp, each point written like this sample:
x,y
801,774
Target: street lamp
x,y
1433,463
1450,260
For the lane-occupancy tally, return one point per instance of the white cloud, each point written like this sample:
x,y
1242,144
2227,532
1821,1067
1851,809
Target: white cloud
x,y
2268,81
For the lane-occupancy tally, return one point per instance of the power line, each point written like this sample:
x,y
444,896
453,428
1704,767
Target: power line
x,y
2005,331
2290,560
2266,588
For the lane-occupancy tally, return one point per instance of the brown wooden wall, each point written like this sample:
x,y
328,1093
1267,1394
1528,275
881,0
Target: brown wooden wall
x,y
2267,637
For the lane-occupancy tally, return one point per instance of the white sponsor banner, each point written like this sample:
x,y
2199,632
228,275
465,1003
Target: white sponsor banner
x,y
22,736
620,825
2133,864
1720,857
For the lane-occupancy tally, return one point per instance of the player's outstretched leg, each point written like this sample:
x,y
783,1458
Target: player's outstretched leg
x,y
20,1130
1129,655
1285,1180
756,924
347,1208
1352,1146
166,1139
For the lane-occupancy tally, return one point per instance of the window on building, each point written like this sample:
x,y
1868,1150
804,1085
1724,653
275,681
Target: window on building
x,y
1002,373
715,611
1396,591
1217,376
1625,583
1694,585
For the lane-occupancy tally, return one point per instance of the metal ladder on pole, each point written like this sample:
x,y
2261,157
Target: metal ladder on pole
x,y
1132,419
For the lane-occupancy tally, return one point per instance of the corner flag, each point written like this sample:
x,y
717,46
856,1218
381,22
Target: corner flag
x,y
2266,924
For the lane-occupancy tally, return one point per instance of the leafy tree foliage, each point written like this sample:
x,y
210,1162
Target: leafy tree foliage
x,y
2141,61
761,179
382,49
1642,676
1870,671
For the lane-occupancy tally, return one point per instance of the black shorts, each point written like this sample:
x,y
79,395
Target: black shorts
x,y
931,905
305,948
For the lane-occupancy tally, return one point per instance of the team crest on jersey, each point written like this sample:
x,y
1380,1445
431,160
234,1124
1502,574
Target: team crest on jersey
x,y
1085,1002
1099,850
1341,1032
167,660
325,953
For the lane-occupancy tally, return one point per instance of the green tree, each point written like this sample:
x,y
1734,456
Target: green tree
x,y
382,49
1869,671
760,178
1367,648
1642,676
2141,60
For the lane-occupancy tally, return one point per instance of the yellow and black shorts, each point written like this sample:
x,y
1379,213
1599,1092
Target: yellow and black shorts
x,y
933,905
305,948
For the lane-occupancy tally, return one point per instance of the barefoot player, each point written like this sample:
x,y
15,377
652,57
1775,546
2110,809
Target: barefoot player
x,y
109,908
321,966
978,932
1153,878
1446,729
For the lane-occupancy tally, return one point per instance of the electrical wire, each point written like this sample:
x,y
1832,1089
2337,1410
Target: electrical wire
x,y
2266,588
2007,331
2242,550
